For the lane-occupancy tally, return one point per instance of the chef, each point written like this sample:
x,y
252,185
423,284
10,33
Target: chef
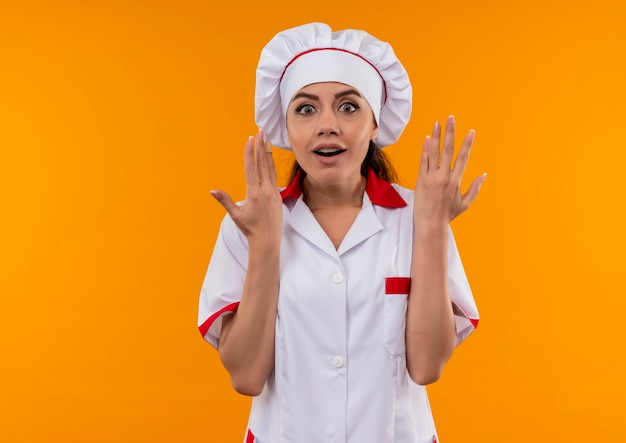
x,y
335,300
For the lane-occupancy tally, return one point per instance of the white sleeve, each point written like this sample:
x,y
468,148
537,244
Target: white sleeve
x,y
224,280
465,310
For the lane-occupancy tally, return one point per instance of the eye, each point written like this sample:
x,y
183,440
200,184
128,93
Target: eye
x,y
305,109
348,107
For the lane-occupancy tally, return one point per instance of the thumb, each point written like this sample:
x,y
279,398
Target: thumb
x,y
225,200
473,190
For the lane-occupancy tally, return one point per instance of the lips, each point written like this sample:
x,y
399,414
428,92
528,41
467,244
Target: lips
x,y
329,151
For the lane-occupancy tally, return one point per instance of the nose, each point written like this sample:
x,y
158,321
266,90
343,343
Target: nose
x,y
327,122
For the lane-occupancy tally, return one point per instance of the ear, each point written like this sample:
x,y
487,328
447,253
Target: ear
x,y
374,132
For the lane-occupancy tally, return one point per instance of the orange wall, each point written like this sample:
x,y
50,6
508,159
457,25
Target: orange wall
x,y
118,117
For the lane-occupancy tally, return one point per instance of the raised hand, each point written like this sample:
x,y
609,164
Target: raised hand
x,y
438,195
260,216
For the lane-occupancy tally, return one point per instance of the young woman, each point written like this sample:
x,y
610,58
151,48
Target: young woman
x,y
335,300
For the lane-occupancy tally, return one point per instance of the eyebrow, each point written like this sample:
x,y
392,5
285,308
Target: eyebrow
x,y
337,95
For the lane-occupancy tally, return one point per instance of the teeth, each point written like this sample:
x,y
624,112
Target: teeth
x,y
329,151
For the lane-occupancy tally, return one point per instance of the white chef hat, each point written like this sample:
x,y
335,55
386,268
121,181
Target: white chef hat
x,y
313,53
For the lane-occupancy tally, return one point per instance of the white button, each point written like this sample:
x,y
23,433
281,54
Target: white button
x,y
338,362
338,277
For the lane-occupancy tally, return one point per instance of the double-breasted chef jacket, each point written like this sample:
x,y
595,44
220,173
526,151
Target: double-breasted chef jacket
x,y
340,372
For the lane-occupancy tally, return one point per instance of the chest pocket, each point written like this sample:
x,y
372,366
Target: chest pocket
x,y
396,299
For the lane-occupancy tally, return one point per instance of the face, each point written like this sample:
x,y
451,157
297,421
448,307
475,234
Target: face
x,y
330,126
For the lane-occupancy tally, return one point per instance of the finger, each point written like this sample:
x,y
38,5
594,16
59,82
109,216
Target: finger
x,y
250,168
447,151
261,157
423,170
226,201
435,146
472,192
270,162
462,158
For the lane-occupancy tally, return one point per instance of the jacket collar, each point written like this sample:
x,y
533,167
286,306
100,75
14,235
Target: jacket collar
x,y
379,191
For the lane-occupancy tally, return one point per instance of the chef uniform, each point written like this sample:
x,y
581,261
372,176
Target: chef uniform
x,y
340,371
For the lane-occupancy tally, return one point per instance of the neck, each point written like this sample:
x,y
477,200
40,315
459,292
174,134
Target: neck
x,y
347,193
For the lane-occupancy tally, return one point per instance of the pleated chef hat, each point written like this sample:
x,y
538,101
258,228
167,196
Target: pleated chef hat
x,y
313,53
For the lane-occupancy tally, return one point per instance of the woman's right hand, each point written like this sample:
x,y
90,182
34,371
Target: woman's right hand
x,y
260,216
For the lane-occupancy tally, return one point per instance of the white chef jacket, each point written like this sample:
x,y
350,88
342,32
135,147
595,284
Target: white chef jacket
x,y
340,371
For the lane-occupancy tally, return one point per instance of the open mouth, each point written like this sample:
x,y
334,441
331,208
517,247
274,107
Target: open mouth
x,y
329,152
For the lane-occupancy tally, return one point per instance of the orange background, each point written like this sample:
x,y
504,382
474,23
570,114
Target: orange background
x,y
118,117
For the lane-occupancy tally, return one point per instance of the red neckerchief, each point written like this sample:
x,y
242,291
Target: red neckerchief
x,y
380,191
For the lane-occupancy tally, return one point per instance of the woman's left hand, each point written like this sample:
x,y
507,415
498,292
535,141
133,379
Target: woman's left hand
x,y
438,195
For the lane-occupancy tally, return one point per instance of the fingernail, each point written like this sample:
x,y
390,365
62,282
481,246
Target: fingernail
x,y
268,146
437,126
215,195
450,119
